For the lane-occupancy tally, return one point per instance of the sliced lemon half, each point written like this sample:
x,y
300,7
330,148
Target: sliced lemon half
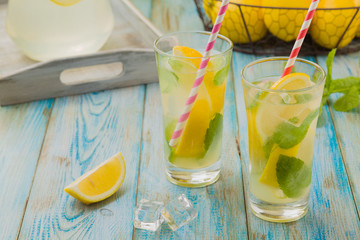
x,y
293,81
65,3
100,182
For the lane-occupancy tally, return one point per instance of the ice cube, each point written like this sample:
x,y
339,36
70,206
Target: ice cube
x,y
179,212
148,215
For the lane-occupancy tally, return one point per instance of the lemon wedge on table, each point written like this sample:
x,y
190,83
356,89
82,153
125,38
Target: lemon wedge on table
x,y
65,3
100,182
269,116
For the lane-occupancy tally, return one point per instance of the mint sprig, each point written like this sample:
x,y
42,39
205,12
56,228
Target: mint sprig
x,y
349,86
292,175
221,75
215,128
348,101
287,135
168,80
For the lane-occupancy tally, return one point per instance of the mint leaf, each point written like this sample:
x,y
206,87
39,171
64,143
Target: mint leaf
x,y
349,101
328,81
167,80
294,120
182,66
254,99
292,175
316,75
343,85
268,146
329,64
215,128
221,75
303,98
287,135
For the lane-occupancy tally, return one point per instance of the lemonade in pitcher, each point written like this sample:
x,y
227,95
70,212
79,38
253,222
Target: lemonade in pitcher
x,y
282,116
49,29
194,161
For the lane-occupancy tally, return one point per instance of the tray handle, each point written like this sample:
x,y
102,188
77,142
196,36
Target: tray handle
x,y
72,76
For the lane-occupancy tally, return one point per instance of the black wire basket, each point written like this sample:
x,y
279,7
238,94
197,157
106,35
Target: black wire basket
x,y
272,45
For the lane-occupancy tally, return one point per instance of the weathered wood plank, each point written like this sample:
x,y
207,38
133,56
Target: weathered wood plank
x,y
332,212
220,206
22,129
347,125
83,132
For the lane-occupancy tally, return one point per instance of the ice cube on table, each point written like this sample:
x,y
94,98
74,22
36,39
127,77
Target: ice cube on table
x,y
179,212
148,215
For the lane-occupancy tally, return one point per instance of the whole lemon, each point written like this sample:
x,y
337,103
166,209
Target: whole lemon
x,y
357,4
328,26
285,24
233,25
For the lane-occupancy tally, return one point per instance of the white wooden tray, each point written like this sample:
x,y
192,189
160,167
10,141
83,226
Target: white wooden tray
x,y
115,65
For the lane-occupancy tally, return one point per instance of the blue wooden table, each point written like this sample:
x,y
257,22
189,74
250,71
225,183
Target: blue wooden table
x,y
45,145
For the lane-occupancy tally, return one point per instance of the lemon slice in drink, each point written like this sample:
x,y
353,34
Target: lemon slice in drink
x,y
65,3
215,92
193,56
99,183
192,140
293,81
269,115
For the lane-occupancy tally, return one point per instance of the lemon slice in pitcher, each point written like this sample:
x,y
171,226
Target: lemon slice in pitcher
x,y
99,183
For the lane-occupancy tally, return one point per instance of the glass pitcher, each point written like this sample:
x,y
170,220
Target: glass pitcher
x,y
49,29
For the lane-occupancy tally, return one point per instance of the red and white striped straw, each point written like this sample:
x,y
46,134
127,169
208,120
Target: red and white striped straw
x,y
300,39
199,76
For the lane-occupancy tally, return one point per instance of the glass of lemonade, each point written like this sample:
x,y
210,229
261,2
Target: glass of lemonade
x,y
195,160
49,29
282,117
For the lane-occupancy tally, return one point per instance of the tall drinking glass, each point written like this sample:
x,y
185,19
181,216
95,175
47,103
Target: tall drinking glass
x,y
195,161
281,127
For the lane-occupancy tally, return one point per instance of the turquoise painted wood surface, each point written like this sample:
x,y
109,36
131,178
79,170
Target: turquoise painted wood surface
x,y
46,145
22,130
347,125
83,131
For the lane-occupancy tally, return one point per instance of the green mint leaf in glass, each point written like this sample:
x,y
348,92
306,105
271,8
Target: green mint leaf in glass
x,y
168,80
303,98
221,75
257,93
287,135
294,120
292,175
268,146
348,101
179,65
215,128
